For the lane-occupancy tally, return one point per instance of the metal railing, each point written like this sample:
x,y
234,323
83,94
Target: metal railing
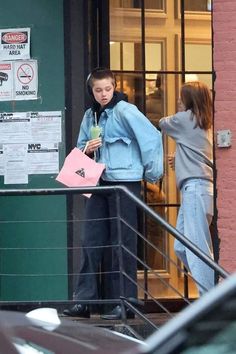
x,y
123,301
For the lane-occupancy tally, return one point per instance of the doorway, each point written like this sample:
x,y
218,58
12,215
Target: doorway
x,y
154,47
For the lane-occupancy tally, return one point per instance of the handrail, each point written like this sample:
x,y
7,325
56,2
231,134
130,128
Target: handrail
x,y
103,189
118,189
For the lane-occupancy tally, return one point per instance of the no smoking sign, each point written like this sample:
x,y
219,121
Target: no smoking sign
x,y
25,73
26,79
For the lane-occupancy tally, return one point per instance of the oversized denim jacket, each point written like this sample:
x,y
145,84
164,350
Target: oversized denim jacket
x,y
131,146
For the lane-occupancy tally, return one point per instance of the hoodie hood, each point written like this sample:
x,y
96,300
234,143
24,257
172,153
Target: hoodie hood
x,y
117,97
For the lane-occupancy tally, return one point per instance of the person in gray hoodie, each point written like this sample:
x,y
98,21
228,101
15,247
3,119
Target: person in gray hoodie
x,y
191,130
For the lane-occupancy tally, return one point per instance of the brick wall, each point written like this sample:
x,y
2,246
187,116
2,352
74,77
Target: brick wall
x,y
224,58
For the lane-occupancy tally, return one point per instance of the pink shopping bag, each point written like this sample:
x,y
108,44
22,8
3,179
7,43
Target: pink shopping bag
x,y
79,170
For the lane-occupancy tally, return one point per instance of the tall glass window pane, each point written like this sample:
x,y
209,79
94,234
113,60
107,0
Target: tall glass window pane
x,y
125,35
132,85
154,56
163,29
122,56
198,43
155,97
198,56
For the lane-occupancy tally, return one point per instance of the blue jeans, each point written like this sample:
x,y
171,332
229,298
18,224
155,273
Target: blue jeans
x,y
194,218
100,229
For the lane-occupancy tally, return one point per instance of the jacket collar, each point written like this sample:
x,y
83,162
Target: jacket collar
x,y
117,97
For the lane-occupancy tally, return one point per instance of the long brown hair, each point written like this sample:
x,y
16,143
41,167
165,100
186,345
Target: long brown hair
x,y
196,96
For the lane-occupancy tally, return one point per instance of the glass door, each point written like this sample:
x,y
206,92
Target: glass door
x,y
155,45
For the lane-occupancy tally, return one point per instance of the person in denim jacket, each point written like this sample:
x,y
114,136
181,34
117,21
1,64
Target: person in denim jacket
x,y
191,130
131,149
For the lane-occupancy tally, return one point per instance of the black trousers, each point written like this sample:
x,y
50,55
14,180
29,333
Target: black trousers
x,y
99,230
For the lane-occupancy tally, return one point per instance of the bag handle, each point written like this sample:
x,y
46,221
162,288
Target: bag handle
x,y
85,148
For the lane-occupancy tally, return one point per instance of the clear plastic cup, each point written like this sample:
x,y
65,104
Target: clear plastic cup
x,y
95,132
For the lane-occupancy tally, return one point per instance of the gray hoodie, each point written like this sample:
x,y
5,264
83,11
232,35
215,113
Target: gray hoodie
x,y
193,157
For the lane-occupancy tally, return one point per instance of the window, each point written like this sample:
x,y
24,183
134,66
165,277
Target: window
x,y
199,5
151,58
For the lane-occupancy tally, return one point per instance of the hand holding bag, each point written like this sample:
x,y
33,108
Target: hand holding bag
x,y
79,170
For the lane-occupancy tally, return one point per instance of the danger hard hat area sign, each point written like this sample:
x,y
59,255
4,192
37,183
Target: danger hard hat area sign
x,y
15,44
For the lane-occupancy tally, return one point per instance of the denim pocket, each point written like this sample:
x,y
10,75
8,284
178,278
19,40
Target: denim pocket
x,y
200,192
200,186
119,152
207,188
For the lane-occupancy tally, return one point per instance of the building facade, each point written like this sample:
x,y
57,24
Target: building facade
x,y
224,66
152,46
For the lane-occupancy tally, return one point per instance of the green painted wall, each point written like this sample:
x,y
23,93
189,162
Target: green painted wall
x,y
33,230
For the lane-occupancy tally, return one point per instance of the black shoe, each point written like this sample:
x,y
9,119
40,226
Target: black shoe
x,y
116,314
78,310
139,304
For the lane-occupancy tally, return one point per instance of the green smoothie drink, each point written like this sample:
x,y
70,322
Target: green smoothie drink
x,y
95,132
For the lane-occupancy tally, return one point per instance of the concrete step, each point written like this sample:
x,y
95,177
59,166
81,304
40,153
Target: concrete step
x,y
136,327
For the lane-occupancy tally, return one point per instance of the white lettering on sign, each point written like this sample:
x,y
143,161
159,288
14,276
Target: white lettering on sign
x,y
14,37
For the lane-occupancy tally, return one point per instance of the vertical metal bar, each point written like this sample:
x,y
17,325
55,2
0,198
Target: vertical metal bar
x,y
103,33
145,221
182,14
120,252
186,287
214,228
144,108
143,53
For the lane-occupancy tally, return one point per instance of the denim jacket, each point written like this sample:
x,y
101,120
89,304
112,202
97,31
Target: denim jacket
x,y
131,146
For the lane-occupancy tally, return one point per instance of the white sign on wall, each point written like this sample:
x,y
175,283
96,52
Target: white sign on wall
x,y
25,80
29,144
6,81
18,80
14,43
